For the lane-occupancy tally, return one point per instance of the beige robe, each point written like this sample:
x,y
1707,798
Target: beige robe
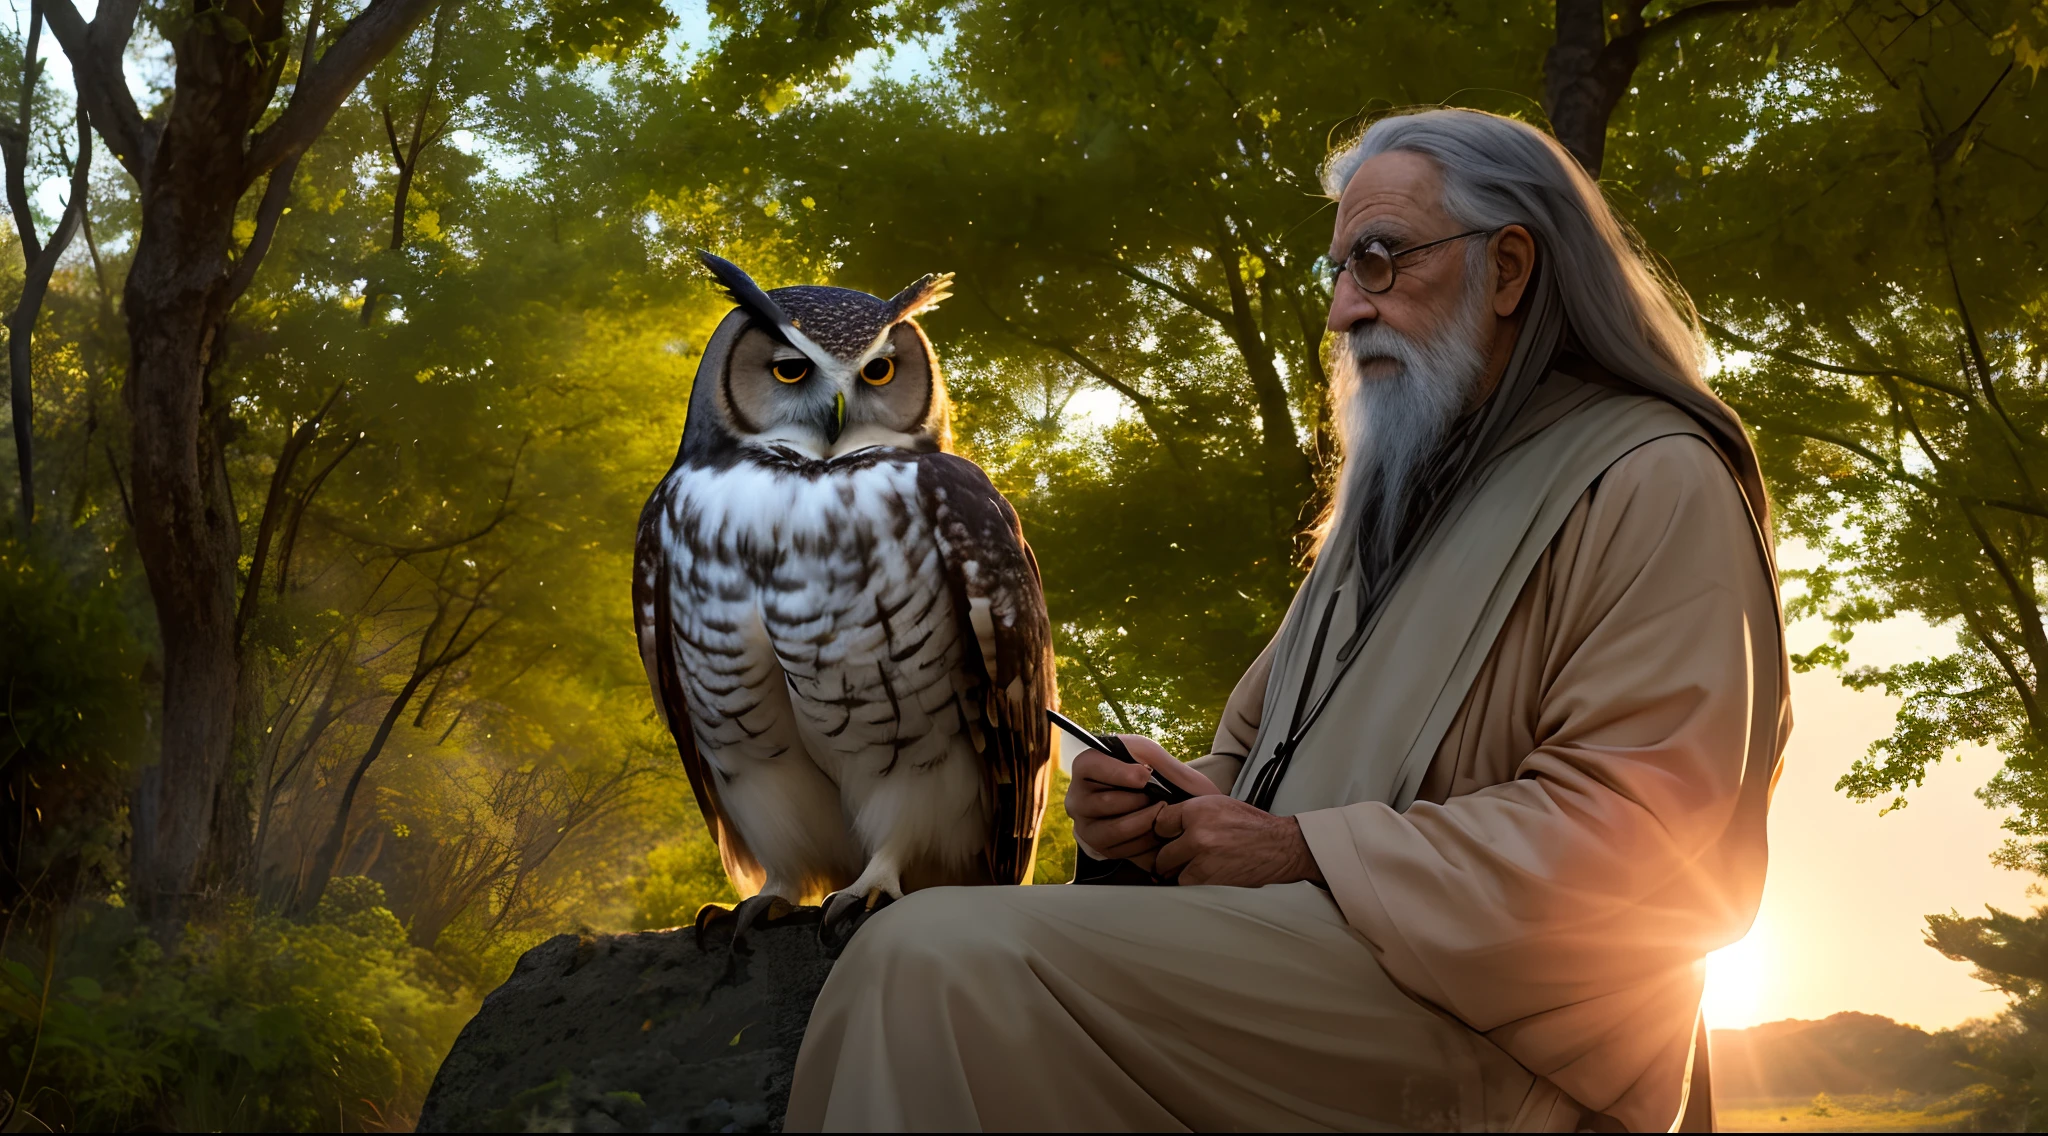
x,y
1583,834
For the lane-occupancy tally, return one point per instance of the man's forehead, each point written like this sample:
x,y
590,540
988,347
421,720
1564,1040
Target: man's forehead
x,y
1397,191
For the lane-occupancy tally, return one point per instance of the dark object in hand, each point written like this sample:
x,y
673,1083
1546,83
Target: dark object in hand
x,y
1088,869
1157,788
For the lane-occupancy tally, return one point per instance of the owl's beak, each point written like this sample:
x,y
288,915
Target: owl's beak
x,y
838,415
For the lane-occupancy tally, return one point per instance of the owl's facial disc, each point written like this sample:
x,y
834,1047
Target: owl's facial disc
x,y
890,396
777,395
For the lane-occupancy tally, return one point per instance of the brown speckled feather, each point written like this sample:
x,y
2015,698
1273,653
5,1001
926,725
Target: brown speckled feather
x,y
656,627
994,579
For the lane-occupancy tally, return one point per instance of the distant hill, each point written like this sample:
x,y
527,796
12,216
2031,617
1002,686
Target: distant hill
x,y
1847,1053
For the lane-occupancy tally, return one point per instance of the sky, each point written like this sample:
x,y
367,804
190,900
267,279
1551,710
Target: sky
x,y
1848,890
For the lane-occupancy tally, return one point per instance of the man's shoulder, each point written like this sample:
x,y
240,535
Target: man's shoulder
x,y
1676,486
1675,461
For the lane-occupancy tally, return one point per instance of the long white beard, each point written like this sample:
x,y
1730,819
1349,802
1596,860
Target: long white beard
x,y
1392,424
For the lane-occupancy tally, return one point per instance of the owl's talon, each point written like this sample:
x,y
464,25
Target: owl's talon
x,y
845,912
762,909
707,915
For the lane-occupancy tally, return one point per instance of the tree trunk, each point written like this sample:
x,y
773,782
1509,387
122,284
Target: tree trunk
x,y
1287,467
39,261
1593,60
20,325
186,273
1585,74
186,531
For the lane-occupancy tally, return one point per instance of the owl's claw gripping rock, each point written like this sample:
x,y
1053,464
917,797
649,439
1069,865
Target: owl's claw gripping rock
x,y
761,909
845,912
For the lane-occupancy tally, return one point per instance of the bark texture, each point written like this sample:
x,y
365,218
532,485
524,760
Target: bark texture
x,y
186,530
1585,74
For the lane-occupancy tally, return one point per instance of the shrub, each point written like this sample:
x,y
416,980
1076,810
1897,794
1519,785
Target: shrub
x,y
72,725
681,877
253,1022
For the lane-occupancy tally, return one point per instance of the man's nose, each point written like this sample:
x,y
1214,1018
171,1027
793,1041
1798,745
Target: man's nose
x,y
1349,304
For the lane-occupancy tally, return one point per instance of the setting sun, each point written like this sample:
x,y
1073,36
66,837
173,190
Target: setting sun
x,y
1736,976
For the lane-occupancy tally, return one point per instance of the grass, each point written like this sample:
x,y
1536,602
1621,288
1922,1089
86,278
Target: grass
x,y
1899,1112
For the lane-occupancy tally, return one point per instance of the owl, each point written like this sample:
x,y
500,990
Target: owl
x,y
841,620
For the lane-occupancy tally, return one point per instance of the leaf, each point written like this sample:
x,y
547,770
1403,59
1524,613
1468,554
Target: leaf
x,y
19,976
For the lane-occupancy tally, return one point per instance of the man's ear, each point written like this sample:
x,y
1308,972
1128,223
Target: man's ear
x,y
1514,261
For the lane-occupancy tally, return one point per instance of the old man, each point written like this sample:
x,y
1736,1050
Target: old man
x,y
1477,814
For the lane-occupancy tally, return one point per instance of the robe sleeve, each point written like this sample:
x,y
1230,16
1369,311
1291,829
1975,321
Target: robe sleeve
x,y
1566,909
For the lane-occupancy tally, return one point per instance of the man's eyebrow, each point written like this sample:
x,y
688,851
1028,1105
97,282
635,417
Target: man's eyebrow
x,y
1391,234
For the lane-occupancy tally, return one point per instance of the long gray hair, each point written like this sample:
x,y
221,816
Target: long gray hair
x,y
1624,312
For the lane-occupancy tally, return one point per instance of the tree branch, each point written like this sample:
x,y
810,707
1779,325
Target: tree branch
x,y
1276,414
319,92
1686,17
1984,634
274,507
95,52
404,550
1793,357
277,193
120,482
2021,593
1148,407
1891,470
1975,345
1101,682
305,498
15,140
1187,298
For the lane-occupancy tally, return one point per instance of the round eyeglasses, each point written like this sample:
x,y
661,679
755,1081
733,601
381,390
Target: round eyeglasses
x,y
1372,265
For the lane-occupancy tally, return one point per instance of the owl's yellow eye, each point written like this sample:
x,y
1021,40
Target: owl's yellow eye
x,y
879,371
791,370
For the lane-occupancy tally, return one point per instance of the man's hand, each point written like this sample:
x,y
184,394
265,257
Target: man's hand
x,y
1224,841
1112,816
1213,839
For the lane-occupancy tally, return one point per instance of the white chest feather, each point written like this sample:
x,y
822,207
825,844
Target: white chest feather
x,y
812,618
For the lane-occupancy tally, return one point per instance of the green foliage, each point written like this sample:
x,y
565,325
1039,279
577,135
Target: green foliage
x,y
774,53
72,726
71,670
1871,255
680,877
1055,862
571,30
252,1022
2010,1054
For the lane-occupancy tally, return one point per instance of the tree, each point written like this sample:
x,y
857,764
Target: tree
x,y
192,169
1867,242
2007,1055
39,257
1594,58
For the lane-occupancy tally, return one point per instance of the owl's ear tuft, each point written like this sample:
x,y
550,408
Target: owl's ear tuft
x,y
744,291
922,296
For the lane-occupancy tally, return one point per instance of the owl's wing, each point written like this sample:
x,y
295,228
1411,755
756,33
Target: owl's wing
x,y
656,626
995,585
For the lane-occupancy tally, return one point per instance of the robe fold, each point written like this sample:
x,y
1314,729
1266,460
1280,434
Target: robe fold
x,y
1537,798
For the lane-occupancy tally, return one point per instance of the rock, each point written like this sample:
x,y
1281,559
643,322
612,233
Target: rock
x,y
636,1033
